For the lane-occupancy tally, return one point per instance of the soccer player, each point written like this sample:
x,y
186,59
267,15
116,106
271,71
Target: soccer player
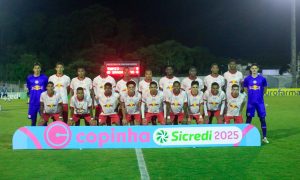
x,y
121,85
82,81
214,77
195,103
145,83
166,84
214,104
36,84
153,100
176,104
62,87
255,86
50,105
81,108
98,86
131,105
232,76
186,82
235,103
109,101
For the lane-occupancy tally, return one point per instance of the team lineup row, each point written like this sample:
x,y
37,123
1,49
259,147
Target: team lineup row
x,y
168,101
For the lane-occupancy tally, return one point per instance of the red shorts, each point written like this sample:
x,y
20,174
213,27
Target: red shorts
x,y
214,113
136,117
113,117
46,117
160,117
237,119
65,108
196,117
86,117
180,117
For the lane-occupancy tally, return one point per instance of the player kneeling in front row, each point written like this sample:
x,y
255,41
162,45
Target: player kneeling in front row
x,y
50,105
195,103
214,103
130,104
235,104
81,108
152,103
176,104
109,101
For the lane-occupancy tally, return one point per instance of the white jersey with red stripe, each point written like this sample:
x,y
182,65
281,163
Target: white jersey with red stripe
x,y
121,86
85,83
99,82
154,104
61,84
186,83
81,106
208,80
131,102
213,102
50,102
176,101
234,104
166,84
108,103
144,86
194,102
231,79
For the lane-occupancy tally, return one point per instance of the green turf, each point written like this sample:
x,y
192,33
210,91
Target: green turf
x,y
278,160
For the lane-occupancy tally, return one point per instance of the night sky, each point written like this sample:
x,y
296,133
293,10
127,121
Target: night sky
x,y
253,29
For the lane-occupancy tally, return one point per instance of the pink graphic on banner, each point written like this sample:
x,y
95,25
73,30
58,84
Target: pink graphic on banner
x,y
245,131
32,137
57,135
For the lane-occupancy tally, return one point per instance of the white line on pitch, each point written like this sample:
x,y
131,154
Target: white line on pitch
x,y
142,164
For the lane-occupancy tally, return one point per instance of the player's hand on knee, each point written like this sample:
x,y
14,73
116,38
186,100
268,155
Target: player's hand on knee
x,y
124,122
71,122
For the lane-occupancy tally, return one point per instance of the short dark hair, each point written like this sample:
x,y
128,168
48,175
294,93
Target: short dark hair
x,y
108,84
79,89
192,67
231,60
194,83
153,82
59,63
148,70
214,64
176,82
215,84
37,64
50,82
254,64
80,67
130,82
235,85
167,66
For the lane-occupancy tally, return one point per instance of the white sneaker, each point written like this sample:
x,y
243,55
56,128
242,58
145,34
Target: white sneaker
x,y
265,140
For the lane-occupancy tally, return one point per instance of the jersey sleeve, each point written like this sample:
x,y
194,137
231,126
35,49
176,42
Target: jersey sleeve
x,y
68,81
72,86
89,102
72,103
122,98
42,99
161,83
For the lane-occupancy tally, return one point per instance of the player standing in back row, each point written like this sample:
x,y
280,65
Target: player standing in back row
x,y
62,87
232,76
255,86
36,84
